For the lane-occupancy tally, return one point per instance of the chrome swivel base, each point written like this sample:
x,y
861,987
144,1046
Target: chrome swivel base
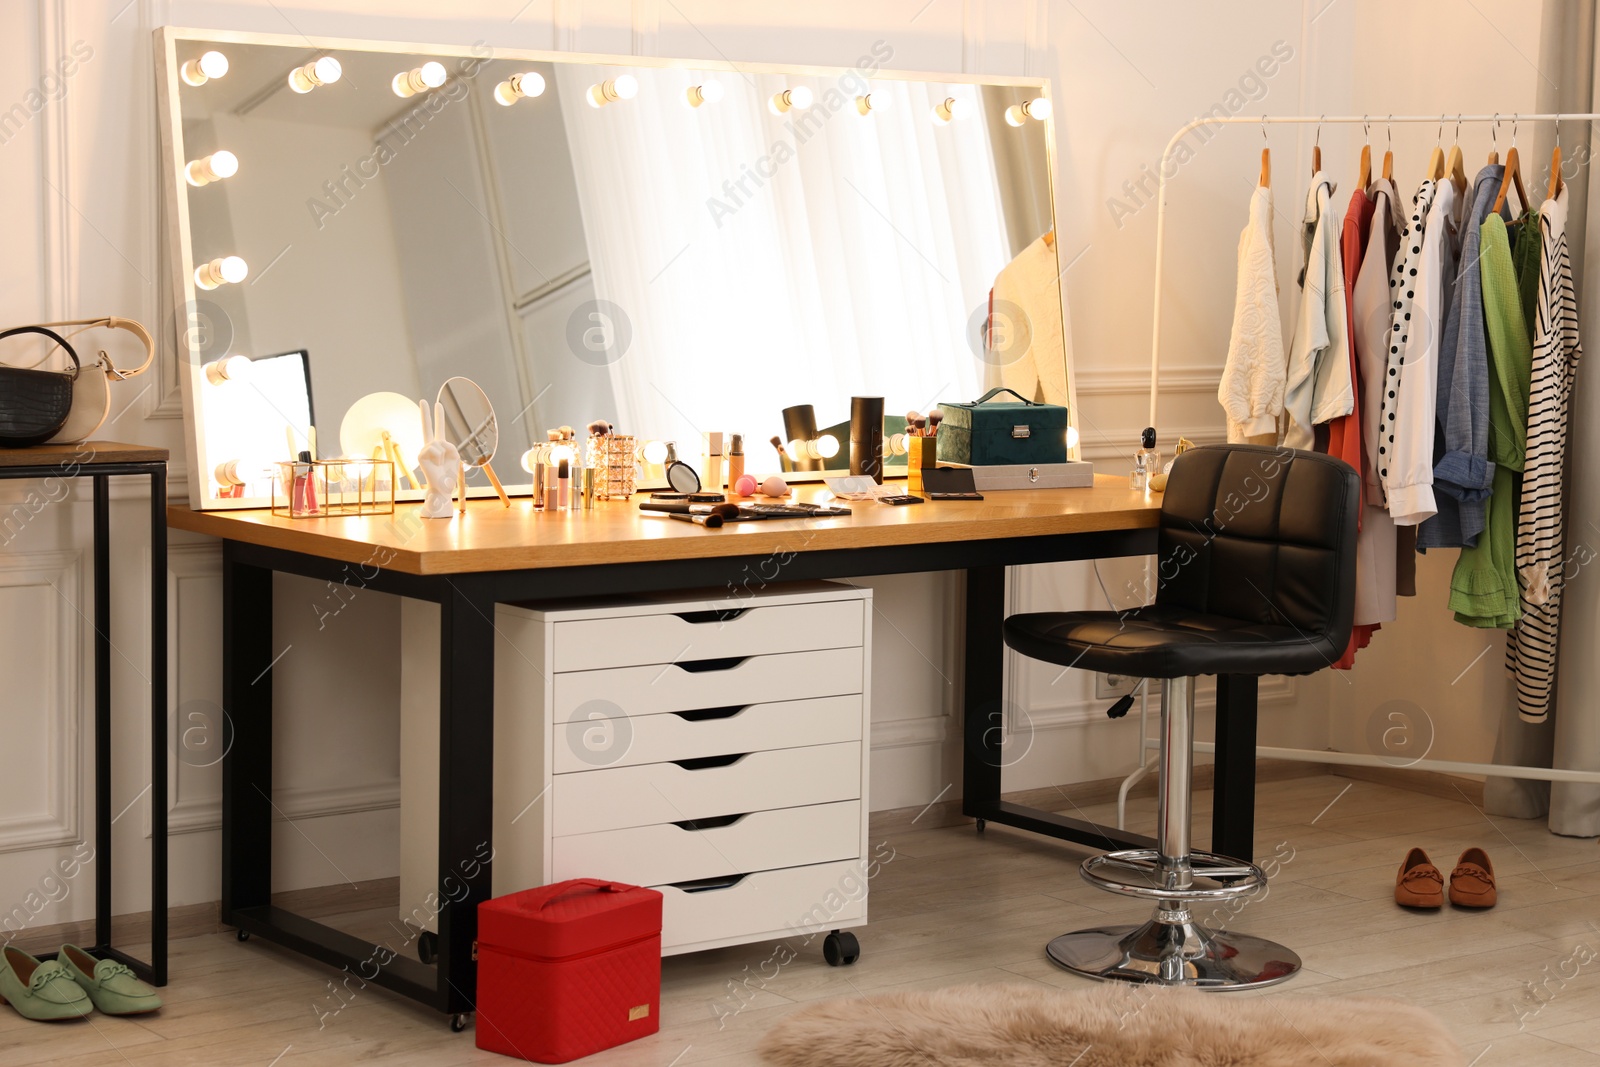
x,y
1172,949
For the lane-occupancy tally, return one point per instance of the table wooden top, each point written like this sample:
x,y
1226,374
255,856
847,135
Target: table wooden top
x,y
491,537
84,454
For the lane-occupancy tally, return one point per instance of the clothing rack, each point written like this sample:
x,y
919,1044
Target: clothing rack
x,y
1146,743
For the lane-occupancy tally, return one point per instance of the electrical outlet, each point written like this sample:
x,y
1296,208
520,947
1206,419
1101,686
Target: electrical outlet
x,y
1112,686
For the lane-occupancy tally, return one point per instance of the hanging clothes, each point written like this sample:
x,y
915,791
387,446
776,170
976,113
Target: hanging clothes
x,y
1483,589
1251,392
1409,483
1375,543
1462,473
1402,294
1344,434
1317,387
1541,555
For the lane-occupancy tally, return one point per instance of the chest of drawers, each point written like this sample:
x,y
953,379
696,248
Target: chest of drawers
x,y
712,747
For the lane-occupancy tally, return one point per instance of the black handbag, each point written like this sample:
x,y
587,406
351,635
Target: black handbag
x,y
34,404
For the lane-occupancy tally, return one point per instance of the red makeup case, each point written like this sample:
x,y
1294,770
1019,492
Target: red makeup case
x,y
567,970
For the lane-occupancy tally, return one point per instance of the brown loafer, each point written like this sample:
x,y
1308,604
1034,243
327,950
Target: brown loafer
x,y
1472,882
1419,883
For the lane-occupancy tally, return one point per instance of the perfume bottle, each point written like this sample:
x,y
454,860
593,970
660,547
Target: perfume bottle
x,y
1146,460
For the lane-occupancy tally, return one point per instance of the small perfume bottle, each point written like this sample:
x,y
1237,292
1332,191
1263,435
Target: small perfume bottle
x,y
1146,460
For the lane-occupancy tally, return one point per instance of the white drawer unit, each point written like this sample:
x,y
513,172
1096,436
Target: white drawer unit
x,y
710,746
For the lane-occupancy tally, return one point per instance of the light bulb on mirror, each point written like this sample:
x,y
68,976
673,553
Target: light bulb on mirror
x,y
1072,437
212,168
228,369
655,452
951,108
798,98
518,86
876,101
226,270
705,93
323,71
1038,109
242,471
530,457
198,71
430,75
622,87
827,446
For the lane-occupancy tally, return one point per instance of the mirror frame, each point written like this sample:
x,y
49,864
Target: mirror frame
x,y
177,245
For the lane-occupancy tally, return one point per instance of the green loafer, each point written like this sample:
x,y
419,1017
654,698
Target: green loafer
x,y
41,990
110,985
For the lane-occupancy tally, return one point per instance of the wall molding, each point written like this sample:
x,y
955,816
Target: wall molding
x,y
1175,381
56,249
911,733
64,771
201,815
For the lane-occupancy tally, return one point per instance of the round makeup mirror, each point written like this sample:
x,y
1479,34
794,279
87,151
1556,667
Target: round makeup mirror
x,y
470,425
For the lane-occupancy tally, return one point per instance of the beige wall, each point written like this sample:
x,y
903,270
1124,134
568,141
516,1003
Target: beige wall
x,y
81,178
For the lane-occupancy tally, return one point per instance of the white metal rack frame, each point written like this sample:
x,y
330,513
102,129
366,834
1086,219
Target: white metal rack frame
x,y
1146,743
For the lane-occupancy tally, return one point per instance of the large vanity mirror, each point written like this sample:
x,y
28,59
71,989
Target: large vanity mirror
x,y
671,247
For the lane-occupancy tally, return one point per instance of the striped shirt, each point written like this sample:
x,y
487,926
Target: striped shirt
x,y
1540,558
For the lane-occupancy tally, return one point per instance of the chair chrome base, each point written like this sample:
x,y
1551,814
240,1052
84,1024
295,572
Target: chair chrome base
x,y
1174,953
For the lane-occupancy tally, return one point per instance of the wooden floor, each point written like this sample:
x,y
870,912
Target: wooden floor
x,y
1517,985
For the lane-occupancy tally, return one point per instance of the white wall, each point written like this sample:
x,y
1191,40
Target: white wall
x,y
1125,77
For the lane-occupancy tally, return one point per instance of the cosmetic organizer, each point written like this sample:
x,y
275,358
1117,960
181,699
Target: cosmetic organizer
x,y
320,488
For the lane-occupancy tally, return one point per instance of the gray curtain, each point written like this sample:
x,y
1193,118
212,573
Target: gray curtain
x,y
1571,738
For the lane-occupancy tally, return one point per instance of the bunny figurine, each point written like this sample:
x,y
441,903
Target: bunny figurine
x,y
440,462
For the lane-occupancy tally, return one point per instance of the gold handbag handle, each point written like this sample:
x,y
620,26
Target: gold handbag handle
x,y
111,322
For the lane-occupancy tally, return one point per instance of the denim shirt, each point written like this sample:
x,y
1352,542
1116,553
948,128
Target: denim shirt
x,y
1463,473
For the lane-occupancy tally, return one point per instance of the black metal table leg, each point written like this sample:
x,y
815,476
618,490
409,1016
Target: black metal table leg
x,y
466,780
983,685
1234,797
158,726
247,761
102,710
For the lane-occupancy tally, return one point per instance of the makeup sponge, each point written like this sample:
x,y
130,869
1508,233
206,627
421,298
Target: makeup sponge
x,y
774,486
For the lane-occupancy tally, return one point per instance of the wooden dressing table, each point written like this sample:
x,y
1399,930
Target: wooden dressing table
x,y
494,555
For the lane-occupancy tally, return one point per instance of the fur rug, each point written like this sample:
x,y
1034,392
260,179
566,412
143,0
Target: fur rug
x,y
1107,1026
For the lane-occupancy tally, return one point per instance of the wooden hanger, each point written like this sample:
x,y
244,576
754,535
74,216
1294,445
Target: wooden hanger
x,y
1364,179
1316,150
1555,164
1388,154
1513,175
1454,164
1266,157
1436,157
1494,141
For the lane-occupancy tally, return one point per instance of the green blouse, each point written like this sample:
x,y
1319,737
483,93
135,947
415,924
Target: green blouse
x,y
1483,589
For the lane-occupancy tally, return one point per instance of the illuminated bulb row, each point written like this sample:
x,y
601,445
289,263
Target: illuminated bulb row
x,y
199,71
824,447
622,87
228,369
1038,109
318,72
514,88
430,75
213,168
798,99
229,270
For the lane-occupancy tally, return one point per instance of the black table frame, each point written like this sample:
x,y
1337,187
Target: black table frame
x,y
100,475
466,717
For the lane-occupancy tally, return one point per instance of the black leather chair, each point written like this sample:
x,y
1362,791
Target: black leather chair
x,y
1256,572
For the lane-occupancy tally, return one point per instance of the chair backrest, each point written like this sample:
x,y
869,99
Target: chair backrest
x,y
1264,535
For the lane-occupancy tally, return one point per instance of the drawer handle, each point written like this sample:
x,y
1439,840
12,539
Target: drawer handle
x,y
714,615
701,763
701,666
715,822
703,714
706,885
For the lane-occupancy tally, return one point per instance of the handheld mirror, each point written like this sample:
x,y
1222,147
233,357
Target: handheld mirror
x,y
470,425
